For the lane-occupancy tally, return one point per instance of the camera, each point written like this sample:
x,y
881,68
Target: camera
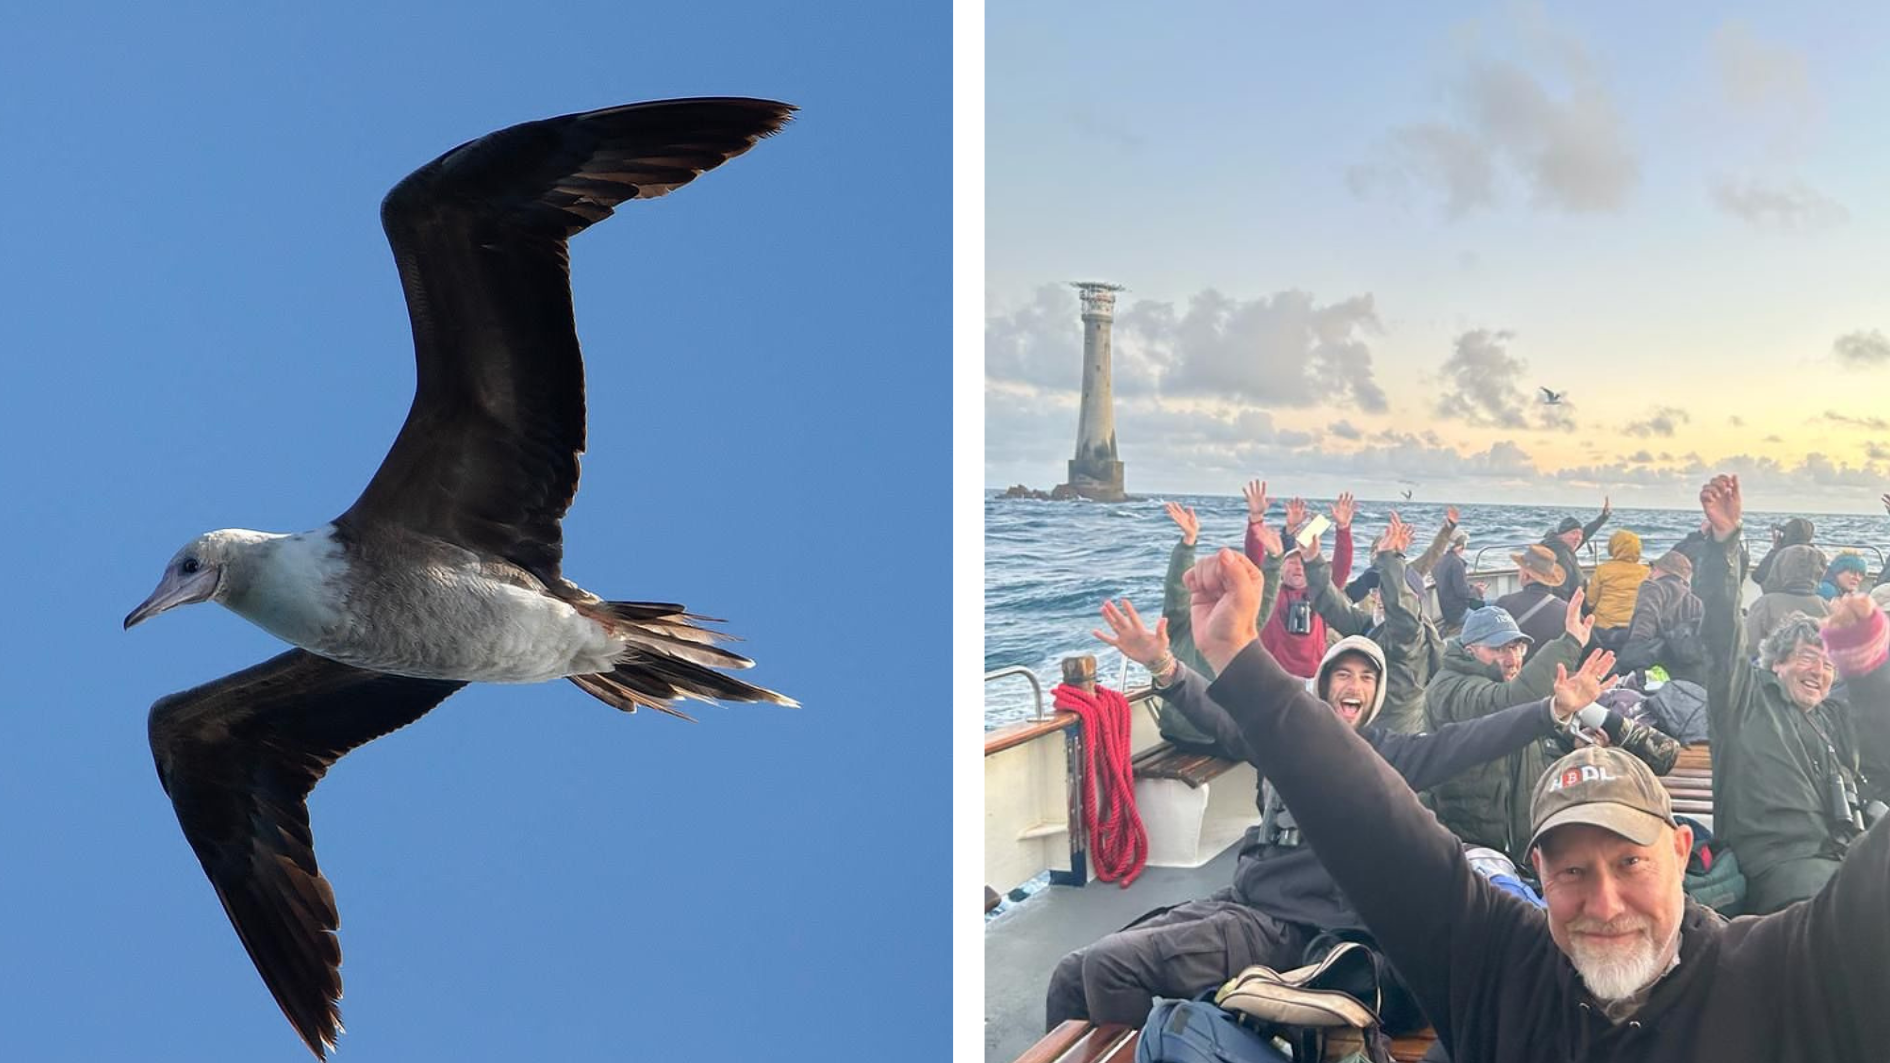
x,y
1299,618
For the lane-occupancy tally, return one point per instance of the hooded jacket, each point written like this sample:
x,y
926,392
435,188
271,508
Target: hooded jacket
x,y
1664,608
1288,882
1796,532
1796,574
1616,582
1409,644
1489,805
1565,556
1805,985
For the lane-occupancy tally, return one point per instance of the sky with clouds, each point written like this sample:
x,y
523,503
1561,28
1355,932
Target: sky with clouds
x,y
1356,246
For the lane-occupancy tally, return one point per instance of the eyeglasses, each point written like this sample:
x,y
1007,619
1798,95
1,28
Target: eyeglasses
x,y
1810,658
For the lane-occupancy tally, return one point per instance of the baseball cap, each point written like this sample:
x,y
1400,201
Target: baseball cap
x,y
1604,787
1568,524
1491,626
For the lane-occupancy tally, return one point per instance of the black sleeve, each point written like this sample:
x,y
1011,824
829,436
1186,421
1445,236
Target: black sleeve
x,y
1435,756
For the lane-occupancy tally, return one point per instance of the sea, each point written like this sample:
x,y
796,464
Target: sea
x,y
1049,565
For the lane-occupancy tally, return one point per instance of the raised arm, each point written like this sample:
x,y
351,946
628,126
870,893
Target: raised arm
x,y
1716,581
1404,617
1439,543
1593,526
1265,542
1331,604
1342,513
1176,683
1436,919
1180,560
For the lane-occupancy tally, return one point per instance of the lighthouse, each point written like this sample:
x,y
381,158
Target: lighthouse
x,y
1094,471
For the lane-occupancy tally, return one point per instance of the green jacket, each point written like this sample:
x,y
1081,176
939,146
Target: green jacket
x,y
1769,761
1412,647
1169,720
1489,804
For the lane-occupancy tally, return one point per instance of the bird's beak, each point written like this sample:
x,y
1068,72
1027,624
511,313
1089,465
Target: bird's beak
x,y
176,589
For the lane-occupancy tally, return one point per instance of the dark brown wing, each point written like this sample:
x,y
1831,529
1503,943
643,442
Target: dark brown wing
x,y
488,455
238,758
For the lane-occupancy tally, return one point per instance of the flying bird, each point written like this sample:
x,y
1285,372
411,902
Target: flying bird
x,y
447,569
1551,398
1406,493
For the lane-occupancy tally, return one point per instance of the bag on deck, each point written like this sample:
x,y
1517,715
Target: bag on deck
x,y
1713,877
1196,1031
1328,1011
1680,708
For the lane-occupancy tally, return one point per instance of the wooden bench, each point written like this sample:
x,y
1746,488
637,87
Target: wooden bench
x,y
1076,1041
1690,783
1193,804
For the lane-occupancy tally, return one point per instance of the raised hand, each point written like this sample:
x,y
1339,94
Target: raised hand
x,y
1450,515
1269,540
1578,627
1481,588
1257,501
1137,643
1295,515
1184,518
1344,509
1576,692
1397,536
1224,596
1723,507
1607,507
1849,611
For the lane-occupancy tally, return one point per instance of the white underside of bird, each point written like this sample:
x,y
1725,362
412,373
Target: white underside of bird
x,y
446,619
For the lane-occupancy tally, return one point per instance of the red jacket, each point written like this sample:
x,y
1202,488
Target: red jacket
x,y
1299,654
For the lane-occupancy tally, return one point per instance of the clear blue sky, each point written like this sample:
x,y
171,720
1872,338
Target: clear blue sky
x,y
204,329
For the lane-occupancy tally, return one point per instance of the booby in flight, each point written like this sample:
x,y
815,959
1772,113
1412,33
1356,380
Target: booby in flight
x,y
447,569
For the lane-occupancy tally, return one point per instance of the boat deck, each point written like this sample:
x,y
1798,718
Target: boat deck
x,y
1023,944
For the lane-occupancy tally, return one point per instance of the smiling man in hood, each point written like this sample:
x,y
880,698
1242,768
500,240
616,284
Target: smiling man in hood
x,y
1282,896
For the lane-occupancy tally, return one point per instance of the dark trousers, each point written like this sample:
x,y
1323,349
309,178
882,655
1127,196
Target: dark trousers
x,y
1175,953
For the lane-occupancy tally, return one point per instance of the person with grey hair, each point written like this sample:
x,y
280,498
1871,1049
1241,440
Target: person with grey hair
x,y
1621,966
1786,770
1456,595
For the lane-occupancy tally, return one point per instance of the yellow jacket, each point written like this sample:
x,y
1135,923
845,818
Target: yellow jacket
x,y
1617,581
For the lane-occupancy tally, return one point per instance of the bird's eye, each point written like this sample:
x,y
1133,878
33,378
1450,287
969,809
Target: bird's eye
x,y
190,566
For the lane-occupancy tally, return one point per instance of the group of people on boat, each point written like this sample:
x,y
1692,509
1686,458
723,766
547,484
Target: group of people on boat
x,y
1532,902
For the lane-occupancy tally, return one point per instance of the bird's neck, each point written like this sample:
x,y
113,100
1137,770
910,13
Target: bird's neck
x,y
289,585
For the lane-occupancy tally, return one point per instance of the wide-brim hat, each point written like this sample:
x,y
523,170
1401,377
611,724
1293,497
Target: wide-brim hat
x,y
1539,561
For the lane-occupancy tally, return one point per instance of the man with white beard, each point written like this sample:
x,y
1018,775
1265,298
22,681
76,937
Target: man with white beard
x,y
1623,967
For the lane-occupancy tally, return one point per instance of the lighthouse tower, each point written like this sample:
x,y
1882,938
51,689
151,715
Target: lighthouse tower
x,y
1094,471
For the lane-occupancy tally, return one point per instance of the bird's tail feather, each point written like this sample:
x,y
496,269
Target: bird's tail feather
x,y
669,658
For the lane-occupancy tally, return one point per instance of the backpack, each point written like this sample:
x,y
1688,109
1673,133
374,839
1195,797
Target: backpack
x,y
1683,645
1196,1031
1328,1011
1679,707
1712,876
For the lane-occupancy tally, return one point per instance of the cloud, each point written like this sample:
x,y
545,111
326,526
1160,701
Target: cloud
x,y
1862,349
1660,422
1567,143
1773,439
1040,343
1641,457
1875,424
1736,421
1280,350
1794,205
1347,430
1483,386
1876,451
1759,79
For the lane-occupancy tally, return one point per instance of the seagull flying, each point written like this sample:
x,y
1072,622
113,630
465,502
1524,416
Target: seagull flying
x,y
447,569
1551,398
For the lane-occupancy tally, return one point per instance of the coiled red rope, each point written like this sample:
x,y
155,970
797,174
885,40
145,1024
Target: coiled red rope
x,y
1118,841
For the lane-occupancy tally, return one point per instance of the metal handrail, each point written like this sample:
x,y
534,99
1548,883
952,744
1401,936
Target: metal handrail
x,y
1476,561
1036,688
